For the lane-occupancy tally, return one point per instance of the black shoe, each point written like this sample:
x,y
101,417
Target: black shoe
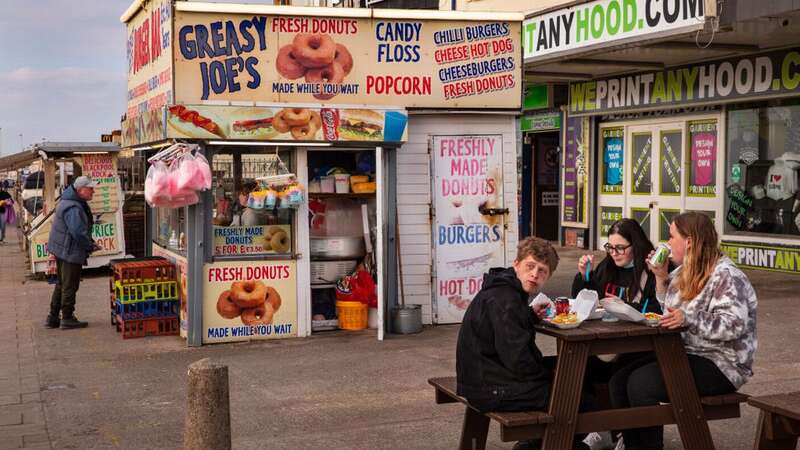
x,y
52,322
72,322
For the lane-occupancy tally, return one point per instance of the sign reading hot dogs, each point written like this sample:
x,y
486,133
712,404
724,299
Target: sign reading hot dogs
x,y
414,63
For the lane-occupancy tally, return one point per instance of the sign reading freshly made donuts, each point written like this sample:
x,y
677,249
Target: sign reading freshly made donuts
x,y
412,63
252,240
249,300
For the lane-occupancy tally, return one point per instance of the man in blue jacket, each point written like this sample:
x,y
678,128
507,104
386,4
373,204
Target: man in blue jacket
x,y
71,243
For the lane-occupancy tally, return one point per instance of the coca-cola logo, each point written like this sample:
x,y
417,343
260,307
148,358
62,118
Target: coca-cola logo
x,y
330,124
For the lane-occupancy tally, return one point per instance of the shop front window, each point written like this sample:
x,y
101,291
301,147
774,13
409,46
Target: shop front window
x,y
762,170
252,212
171,228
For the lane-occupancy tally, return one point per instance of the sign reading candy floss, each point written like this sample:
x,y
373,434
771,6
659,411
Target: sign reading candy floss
x,y
414,63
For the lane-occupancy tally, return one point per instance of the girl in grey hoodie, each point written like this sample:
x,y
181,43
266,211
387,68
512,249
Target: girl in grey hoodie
x,y
716,303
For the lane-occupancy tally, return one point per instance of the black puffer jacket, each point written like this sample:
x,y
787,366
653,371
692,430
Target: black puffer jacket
x,y
496,351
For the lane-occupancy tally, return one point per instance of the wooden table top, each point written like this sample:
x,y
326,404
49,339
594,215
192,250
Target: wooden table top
x,y
787,405
591,330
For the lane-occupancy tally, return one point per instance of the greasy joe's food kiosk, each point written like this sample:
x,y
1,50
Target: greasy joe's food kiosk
x,y
320,94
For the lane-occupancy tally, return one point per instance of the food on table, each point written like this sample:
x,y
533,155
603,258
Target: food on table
x,y
565,319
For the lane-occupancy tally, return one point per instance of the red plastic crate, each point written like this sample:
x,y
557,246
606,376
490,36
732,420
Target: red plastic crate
x,y
144,270
156,326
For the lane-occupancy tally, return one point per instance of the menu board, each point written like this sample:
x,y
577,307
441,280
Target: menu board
x,y
101,168
703,167
642,161
346,60
671,167
613,172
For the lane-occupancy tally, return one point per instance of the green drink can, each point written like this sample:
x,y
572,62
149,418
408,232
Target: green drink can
x,y
661,255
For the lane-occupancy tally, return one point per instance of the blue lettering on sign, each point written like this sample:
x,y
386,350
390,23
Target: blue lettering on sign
x,y
218,332
468,234
224,40
388,32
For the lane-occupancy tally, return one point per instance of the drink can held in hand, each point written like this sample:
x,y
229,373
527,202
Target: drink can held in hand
x,y
562,305
661,255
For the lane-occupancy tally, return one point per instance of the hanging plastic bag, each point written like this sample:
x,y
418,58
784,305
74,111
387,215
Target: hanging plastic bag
x,y
204,170
156,185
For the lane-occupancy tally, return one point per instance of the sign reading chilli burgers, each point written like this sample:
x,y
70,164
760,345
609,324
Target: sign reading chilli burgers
x,y
411,63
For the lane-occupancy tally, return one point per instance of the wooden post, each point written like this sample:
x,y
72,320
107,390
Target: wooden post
x,y
208,415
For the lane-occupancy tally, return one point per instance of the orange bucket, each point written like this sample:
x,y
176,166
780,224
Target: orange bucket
x,y
352,315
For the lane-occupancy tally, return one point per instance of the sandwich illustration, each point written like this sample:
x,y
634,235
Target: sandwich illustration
x,y
361,125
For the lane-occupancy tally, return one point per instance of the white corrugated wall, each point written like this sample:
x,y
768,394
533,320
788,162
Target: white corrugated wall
x,y
414,193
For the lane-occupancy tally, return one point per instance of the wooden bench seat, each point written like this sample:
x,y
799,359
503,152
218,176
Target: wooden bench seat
x,y
779,421
515,426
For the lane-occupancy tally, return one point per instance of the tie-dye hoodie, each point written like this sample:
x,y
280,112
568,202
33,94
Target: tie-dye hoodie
x,y
721,320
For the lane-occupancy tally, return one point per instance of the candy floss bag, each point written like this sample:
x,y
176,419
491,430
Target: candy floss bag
x,y
156,185
181,196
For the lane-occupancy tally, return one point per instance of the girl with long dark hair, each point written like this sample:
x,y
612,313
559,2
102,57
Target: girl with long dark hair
x,y
623,273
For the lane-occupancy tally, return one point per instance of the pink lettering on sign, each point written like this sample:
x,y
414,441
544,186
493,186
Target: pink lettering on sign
x,y
704,153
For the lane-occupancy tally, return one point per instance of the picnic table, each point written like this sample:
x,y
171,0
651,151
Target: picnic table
x,y
596,338
779,421
562,421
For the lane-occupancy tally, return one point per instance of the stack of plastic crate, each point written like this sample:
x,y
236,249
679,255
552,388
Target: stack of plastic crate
x,y
144,297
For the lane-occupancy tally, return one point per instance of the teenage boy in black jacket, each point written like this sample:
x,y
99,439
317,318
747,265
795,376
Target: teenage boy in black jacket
x,y
498,366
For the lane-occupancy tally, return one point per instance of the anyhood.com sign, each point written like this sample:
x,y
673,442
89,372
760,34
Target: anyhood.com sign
x,y
762,75
605,22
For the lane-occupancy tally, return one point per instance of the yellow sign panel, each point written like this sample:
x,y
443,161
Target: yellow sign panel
x,y
412,63
248,300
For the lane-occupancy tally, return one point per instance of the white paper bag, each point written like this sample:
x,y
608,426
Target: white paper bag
x,y
542,299
585,304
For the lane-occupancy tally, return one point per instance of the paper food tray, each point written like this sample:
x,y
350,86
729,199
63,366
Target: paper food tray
x,y
622,311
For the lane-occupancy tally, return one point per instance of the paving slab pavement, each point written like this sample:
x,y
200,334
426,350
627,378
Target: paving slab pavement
x,y
333,390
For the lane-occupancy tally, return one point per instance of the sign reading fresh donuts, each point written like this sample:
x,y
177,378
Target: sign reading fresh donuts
x,y
249,300
412,63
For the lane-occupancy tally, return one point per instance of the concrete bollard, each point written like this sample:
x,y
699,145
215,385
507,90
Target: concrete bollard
x,y
208,417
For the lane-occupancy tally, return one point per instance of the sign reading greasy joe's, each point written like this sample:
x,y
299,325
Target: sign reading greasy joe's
x,y
291,59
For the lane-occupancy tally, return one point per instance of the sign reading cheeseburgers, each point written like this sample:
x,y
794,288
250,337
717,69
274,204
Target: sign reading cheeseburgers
x,y
301,124
346,60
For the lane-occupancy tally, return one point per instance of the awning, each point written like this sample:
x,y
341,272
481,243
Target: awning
x,y
58,150
735,32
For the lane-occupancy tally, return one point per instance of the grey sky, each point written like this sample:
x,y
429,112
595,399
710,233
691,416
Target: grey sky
x,y
62,70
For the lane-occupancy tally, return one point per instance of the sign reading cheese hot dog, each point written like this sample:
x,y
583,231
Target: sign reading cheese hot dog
x,y
412,63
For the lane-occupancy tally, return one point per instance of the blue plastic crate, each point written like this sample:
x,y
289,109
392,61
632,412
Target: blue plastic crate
x,y
146,310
